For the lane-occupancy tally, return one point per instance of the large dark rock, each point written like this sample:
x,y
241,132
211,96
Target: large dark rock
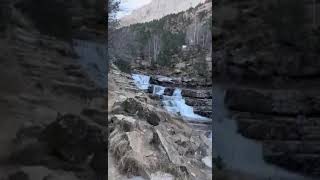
x,y
74,138
169,91
133,106
162,81
193,93
198,102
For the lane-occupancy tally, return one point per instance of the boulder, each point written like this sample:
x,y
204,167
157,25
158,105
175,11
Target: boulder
x,y
161,80
135,107
74,138
169,91
133,153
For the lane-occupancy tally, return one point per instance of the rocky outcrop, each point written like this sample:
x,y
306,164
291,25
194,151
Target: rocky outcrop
x,y
286,121
199,97
147,141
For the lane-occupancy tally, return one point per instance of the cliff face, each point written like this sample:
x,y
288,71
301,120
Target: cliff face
x,y
157,9
43,77
274,72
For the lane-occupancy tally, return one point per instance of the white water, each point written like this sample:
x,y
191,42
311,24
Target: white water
x,y
174,104
141,81
158,90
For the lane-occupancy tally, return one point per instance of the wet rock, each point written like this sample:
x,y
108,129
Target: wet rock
x,y
169,91
193,93
198,102
207,114
155,97
161,80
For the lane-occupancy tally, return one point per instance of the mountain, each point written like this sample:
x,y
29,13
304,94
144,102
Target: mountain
x,y
173,43
157,9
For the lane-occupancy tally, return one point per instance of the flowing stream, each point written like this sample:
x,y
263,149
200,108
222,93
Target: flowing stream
x,y
174,104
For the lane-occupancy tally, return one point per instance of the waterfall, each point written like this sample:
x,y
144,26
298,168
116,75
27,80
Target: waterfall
x,y
174,104
158,90
177,104
141,81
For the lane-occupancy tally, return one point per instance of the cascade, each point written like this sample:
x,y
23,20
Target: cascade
x,y
141,81
174,104
158,90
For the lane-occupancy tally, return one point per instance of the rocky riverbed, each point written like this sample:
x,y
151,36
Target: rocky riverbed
x,y
149,142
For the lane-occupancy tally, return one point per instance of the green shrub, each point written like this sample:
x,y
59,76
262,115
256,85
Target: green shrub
x,y
49,17
170,45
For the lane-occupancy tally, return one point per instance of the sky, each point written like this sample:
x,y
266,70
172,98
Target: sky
x,y
127,6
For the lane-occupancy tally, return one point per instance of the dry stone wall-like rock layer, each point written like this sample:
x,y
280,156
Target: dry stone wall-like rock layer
x,y
286,122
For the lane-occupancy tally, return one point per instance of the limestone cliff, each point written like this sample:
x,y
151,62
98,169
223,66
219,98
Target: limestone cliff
x,y
156,9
